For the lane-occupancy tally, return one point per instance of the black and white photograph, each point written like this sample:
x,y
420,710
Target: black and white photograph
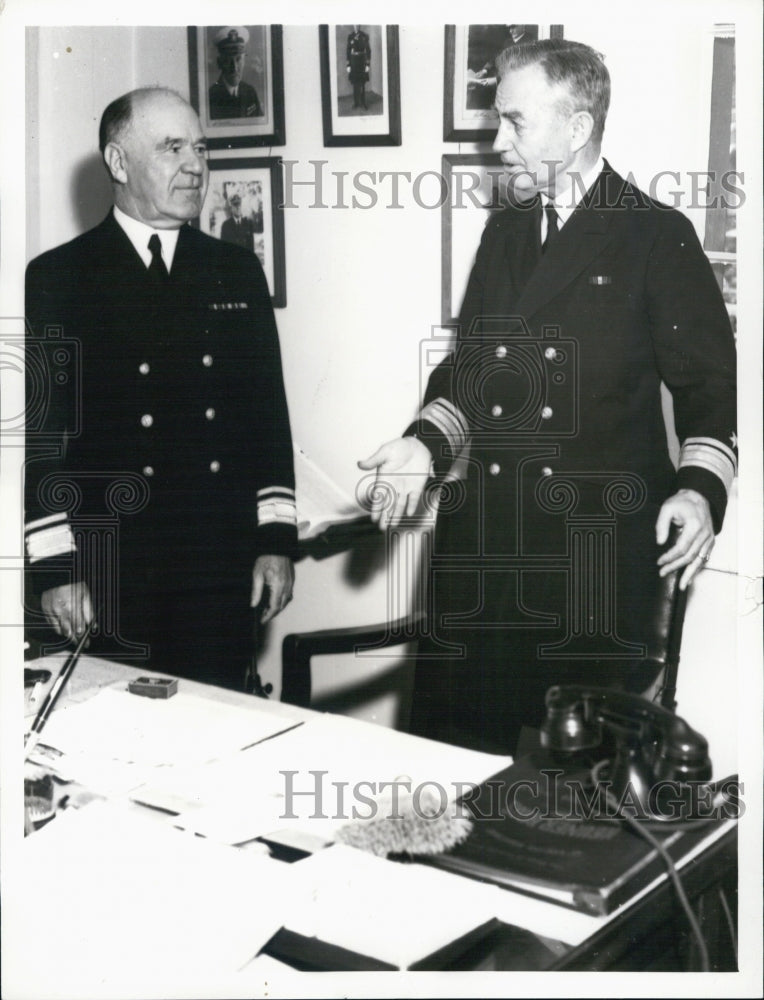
x,y
381,535
470,74
237,84
242,207
360,85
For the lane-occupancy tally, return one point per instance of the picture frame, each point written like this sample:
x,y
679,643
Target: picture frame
x,y
477,185
255,115
469,86
257,181
360,84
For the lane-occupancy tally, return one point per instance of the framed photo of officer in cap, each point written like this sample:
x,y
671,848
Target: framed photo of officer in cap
x,y
237,84
242,207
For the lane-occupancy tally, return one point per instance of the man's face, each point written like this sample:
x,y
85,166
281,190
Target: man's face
x,y
236,209
534,139
165,161
232,68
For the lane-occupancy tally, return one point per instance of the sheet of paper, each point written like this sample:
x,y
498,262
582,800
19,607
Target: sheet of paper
x,y
320,501
398,913
122,905
115,725
315,778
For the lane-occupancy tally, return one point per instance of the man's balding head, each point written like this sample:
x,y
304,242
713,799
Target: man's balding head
x,y
155,152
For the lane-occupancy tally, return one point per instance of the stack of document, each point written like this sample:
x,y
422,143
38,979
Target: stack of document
x,y
122,905
307,783
115,740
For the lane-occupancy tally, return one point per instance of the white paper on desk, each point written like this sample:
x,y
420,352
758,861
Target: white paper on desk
x,y
244,795
116,725
124,905
340,767
398,913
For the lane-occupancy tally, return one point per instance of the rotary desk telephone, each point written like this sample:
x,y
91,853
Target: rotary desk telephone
x,y
656,764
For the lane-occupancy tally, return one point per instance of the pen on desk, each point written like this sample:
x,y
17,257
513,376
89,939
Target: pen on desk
x,y
49,704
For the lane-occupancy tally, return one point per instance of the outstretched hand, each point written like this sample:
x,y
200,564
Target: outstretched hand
x,y
403,467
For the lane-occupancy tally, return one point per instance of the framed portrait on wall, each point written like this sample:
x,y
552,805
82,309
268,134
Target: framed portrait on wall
x,y
237,84
470,75
360,84
477,185
242,207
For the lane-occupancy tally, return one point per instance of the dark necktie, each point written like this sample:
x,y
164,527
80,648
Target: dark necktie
x,y
552,232
157,267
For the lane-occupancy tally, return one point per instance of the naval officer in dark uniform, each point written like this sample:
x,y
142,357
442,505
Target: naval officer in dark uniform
x,y
585,296
231,96
358,60
160,485
239,229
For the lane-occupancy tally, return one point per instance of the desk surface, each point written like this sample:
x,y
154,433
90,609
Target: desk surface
x,y
538,935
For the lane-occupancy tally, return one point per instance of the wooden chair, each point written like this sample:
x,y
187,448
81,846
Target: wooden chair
x,y
663,644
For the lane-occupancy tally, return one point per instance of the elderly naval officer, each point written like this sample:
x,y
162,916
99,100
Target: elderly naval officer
x,y
179,430
546,563
231,96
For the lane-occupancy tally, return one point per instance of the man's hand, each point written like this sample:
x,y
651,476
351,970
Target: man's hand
x,y
403,467
273,575
691,512
68,609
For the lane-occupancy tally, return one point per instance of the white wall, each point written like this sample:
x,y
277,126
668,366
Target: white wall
x,y
363,286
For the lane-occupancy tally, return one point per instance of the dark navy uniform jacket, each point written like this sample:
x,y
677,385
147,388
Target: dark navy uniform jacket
x,y
245,104
555,390
159,405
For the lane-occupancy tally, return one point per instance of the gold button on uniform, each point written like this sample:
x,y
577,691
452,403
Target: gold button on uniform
x,y
496,411
144,368
147,420
215,466
148,470
546,471
550,353
501,351
209,413
494,468
546,413
207,360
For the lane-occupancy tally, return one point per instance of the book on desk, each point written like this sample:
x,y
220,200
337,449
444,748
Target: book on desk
x,y
531,838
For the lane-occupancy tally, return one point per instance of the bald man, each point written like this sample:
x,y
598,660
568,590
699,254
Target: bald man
x,y
160,485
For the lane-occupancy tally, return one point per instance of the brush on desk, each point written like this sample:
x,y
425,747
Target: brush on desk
x,y
409,830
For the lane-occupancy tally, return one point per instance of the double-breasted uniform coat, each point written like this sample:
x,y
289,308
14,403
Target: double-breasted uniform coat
x,y
163,446
544,562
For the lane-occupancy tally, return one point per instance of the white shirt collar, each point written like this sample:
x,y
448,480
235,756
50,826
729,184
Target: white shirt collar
x,y
139,235
233,91
566,201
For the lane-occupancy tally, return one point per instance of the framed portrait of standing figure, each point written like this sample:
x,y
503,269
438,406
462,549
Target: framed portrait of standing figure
x,y
360,85
237,84
242,207
470,77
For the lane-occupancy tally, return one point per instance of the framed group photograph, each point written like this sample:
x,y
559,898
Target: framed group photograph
x,y
242,207
360,84
237,84
470,75
477,185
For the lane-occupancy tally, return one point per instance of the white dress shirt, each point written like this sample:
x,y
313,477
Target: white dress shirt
x,y
565,202
139,235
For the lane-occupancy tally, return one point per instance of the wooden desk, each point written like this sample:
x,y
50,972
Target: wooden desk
x,y
648,934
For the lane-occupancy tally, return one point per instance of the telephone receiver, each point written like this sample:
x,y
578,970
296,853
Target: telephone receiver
x,y
654,749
